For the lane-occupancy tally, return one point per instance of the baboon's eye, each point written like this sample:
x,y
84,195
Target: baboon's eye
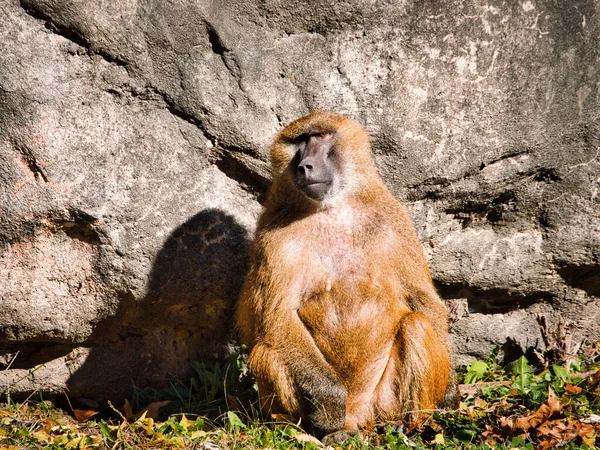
x,y
301,138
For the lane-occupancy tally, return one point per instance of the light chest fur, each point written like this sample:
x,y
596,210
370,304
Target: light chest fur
x,y
337,273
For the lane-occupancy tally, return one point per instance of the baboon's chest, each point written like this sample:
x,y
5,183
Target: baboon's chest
x,y
345,244
343,263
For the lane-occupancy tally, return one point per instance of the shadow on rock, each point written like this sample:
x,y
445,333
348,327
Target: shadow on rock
x,y
185,316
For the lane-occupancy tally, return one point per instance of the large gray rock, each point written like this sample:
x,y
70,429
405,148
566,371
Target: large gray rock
x,y
133,157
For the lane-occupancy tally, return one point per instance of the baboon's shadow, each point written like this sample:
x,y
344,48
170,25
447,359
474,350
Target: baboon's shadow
x,y
185,316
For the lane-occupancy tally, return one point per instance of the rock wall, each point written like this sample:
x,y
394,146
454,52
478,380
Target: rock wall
x,y
133,159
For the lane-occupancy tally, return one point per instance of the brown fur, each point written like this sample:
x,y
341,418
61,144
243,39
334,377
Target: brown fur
x,y
338,309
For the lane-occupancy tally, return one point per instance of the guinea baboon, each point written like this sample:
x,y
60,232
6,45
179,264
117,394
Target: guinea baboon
x,y
344,326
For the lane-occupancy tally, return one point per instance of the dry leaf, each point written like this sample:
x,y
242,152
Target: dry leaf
x,y
588,435
544,445
475,388
303,437
282,418
592,418
553,402
233,403
544,412
480,403
42,435
147,425
83,414
564,431
594,379
151,411
76,443
573,389
439,439
128,410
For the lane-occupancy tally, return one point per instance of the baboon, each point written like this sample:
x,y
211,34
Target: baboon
x,y
344,326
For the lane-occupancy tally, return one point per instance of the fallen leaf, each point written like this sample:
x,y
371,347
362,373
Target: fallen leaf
x,y
562,431
303,437
198,434
475,388
589,439
151,410
83,414
206,445
553,402
587,433
128,410
547,410
76,443
42,435
545,445
594,379
282,418
233,402
185,422
573,389
592,418
95,439
147,425
439,439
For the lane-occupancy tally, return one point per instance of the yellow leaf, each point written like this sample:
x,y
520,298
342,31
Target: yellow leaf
x,y
282,418
152,409
95,439
63,421
589,439
480,403
76,443
178,441
158,437
198,434
185,423
439,439
63,439
42,435
147,425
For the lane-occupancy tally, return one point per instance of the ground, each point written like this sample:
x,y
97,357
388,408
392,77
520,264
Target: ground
x,y
502,407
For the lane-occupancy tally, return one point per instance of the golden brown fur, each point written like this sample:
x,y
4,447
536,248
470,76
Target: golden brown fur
x,y
338,309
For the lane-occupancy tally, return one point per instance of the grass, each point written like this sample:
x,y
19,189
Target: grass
x,y
510,407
